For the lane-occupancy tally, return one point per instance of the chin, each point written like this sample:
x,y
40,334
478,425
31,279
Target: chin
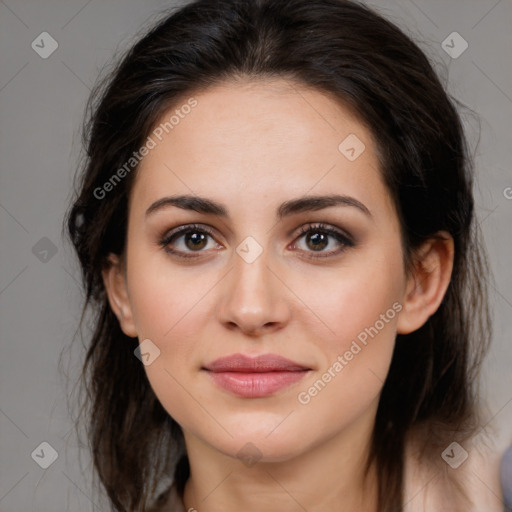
x,y
251,442
249,451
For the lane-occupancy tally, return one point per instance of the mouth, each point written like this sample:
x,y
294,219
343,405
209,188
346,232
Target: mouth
x,y
255,377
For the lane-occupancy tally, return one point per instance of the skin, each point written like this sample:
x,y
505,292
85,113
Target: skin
x,y
252,146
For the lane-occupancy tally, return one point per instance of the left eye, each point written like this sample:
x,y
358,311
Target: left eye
x,y
317,237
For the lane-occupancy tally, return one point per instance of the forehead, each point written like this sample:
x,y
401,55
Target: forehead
x,y
259,139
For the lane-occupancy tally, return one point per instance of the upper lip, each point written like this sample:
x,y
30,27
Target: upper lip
x,y
258,364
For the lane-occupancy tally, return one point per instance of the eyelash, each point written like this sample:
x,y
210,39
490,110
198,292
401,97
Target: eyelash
x,y
310,228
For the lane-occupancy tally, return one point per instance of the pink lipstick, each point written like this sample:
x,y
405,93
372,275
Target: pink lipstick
x,y
255,377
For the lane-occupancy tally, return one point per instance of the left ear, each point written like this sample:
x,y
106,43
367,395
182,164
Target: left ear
x,y
428,282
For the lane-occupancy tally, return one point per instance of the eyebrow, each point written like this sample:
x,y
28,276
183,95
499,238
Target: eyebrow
x,y
290,207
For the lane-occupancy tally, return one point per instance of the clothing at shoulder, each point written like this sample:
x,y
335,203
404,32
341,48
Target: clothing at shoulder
x,y
169,501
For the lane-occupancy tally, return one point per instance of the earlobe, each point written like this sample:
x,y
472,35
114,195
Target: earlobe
x,y
428,283
117,293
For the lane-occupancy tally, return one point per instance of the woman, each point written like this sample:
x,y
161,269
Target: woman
x,y
276,229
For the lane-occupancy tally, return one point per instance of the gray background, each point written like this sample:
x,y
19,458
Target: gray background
x,y
41,108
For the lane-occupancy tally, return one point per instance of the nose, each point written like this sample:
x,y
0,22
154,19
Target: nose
x,y
253,297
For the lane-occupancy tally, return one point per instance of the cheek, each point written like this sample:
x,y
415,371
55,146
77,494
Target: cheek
x,y
171,385
361,310
168,308
355,302
358,361
163,298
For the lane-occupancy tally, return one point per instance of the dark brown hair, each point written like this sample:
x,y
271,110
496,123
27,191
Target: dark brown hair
x,y
341,48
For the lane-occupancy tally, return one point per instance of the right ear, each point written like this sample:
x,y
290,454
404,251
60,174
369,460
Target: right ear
x,y
115,284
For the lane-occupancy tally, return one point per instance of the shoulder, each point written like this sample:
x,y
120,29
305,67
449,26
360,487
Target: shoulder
x,y
460,478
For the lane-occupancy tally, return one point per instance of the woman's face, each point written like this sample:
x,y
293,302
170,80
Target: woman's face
x,y
247,282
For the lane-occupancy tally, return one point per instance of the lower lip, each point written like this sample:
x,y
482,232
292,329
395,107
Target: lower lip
x,y
255,385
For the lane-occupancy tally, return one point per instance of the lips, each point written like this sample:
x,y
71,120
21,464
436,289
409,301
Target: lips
x,y
255,377
263,363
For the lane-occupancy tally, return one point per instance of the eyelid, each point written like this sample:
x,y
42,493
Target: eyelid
x,y
327,228
189,227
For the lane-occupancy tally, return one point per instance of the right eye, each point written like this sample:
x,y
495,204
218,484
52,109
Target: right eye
x,y
194,240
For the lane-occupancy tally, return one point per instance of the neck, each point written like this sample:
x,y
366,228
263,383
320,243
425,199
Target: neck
x,y
328,477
